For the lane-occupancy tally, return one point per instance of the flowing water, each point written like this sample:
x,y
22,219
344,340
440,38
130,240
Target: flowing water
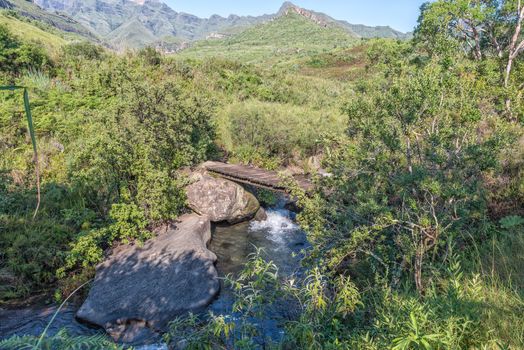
x,y
281,241
279,238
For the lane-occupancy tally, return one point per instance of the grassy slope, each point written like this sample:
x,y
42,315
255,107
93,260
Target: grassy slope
x,y
286,37
131,35
30,32
49,21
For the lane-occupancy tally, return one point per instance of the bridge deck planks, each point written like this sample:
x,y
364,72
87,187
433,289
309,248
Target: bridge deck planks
x,y
252,175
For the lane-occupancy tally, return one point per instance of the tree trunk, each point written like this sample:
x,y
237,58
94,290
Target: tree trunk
x,y
513,52
409,155
478,51
509,66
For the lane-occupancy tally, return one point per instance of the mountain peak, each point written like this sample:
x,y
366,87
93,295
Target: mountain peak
x,y
288,7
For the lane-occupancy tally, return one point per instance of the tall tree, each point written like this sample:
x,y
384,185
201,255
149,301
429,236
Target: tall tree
x,y
481,28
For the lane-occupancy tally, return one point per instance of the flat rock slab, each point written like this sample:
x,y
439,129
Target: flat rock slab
x,y
139,290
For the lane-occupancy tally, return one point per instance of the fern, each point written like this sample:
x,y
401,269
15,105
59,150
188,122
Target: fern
x,y
61,341
510,222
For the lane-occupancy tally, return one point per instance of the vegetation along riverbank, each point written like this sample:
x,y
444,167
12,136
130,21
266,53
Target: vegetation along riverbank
x,y
414,143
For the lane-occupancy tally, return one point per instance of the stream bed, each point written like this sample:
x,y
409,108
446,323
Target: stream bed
x,y
278,236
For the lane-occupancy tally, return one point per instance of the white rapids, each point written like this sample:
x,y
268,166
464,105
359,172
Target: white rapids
x,y
278,223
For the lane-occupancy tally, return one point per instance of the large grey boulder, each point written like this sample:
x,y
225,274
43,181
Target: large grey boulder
x,y
139,290
221,200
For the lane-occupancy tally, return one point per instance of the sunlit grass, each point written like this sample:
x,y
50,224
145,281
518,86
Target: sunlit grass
x,y
29,32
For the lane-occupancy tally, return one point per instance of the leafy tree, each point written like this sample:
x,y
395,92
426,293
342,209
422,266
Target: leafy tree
x,y
480,27
409,176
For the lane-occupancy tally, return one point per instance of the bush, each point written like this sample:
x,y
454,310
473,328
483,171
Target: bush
x,y
255,129
111,142
16,56
82,50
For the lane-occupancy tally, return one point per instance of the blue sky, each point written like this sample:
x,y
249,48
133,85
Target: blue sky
x,y
399,14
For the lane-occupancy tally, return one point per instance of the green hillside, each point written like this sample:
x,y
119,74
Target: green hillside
x,y
136,24
30,32
133,33
286,37
59,23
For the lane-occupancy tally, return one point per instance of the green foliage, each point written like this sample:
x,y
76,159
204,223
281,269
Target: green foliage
x,y
150,56
61,341
128,225
483,30
264,130
16,56
253,286
113,132
194,334
426,186
512,221
83,50
266,198
33,249
255,290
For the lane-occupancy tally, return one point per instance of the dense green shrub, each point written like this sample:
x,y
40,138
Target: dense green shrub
x,y
113,133
16,56
83,50
270,130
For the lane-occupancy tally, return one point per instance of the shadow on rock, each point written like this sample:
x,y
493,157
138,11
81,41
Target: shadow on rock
x,y
139,290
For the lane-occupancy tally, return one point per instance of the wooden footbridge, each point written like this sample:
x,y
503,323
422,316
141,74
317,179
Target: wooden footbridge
x,y
254,176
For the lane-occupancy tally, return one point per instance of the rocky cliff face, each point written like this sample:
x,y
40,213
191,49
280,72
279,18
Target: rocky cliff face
x,y
358,30
4,4
138,23
142,2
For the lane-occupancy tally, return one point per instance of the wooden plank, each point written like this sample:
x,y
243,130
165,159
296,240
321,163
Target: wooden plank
x,y
253,176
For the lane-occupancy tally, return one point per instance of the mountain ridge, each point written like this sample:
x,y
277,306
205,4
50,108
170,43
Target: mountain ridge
x,y
137,23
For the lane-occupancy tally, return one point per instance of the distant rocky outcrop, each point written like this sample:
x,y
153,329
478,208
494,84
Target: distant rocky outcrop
x,y
4,4
221,200
138,290
358,30
318,18
212,36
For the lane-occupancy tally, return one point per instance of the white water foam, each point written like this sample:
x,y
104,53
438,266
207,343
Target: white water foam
x,y
277,224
